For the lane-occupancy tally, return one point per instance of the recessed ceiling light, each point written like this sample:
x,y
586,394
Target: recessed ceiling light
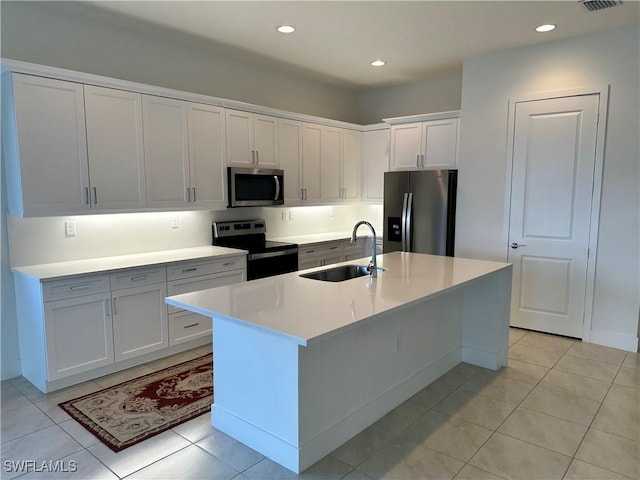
x,y
545,28
378,63
286,29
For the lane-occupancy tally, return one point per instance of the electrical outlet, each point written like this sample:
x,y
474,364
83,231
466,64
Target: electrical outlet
x,y
332,212
175,222
70,228
283,214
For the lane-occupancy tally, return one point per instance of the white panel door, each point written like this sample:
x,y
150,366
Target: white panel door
x,y
115,146
441,140
290,158
311,157
207,151
351,161
330,166
406,146
79,335
140,323
240,152
554,148
265,140
52,144
166,151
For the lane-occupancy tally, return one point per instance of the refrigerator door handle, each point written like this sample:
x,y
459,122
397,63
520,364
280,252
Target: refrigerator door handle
x,y
403,226
408,227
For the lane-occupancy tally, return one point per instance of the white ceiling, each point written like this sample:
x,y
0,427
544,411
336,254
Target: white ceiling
x,y
336,40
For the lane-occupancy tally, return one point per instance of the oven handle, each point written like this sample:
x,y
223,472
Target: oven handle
x,y
277,180
279,253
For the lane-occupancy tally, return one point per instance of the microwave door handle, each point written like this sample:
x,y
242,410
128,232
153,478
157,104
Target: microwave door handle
x,y
277,180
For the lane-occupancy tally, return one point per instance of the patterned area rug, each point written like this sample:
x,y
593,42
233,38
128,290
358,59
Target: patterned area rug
x,y
125,414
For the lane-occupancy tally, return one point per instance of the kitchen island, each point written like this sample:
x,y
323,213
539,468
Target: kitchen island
x,y
301,365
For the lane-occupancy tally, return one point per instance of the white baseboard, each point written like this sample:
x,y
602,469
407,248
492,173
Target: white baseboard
x,y
615,340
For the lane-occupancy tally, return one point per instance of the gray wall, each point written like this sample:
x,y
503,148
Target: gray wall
x,y
103,44
429,96
489,81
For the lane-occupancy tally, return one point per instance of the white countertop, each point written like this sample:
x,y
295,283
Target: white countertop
x,y
307,310
49,271
316,237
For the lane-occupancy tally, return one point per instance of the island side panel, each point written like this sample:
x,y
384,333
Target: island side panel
x,y
350,380
256,389
487,307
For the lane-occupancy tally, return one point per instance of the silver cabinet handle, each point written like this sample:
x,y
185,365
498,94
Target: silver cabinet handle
x,y
253,157
188,194
139,278
106,308
86,286
515,245
95,196
257,157
418,161
86,195
193,269
422,160
115,306
192,325
227,264
194,194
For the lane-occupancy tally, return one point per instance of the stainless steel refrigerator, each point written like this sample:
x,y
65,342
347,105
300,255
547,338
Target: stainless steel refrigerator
x,y
420,211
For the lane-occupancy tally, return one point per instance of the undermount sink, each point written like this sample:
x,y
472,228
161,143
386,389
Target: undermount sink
x,y
340,273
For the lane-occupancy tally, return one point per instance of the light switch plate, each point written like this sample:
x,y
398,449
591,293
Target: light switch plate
x,y
70,228
175,223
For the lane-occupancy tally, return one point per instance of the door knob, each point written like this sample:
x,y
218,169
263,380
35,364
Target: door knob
x,y
515,245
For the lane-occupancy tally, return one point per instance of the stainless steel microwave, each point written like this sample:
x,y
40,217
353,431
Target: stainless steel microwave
x,y
254,187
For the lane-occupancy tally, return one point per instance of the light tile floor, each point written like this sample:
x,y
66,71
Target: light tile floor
x,y
561,409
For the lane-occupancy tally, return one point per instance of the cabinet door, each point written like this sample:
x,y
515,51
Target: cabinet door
x,y
441,141
166,151
311,157
240,151
312,262
375,163
406,146
265,140
185,326
351,161
115,146
139,320
330,166
52,146
207,152
79,335
290,158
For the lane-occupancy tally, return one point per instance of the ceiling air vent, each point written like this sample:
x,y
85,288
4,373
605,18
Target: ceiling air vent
x,y
595,5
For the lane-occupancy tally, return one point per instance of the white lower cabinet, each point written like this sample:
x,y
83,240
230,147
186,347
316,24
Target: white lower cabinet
x,y
139,313
78,335
84,326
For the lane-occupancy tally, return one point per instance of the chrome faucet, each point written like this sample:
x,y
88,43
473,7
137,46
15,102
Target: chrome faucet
x,y
373,263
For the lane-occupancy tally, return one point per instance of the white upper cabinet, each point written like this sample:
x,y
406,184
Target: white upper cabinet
x,y
341,158
166,151
425,144
45,147
115,148
252,139
375,163
311,160
290,158
207,152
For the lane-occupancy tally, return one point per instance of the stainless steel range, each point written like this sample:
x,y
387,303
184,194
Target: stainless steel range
x,y
266,258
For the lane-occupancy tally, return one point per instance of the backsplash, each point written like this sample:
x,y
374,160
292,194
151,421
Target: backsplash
x,y
43,240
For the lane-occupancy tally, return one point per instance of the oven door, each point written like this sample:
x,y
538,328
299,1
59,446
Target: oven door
x,y
267,264
252,187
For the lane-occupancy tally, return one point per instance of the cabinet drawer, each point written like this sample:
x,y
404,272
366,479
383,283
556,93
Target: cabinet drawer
x,y
186,285
193,268
185,326
135,277
319,249
75,287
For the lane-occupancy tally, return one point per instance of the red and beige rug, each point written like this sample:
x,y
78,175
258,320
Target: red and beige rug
x,y
125,414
